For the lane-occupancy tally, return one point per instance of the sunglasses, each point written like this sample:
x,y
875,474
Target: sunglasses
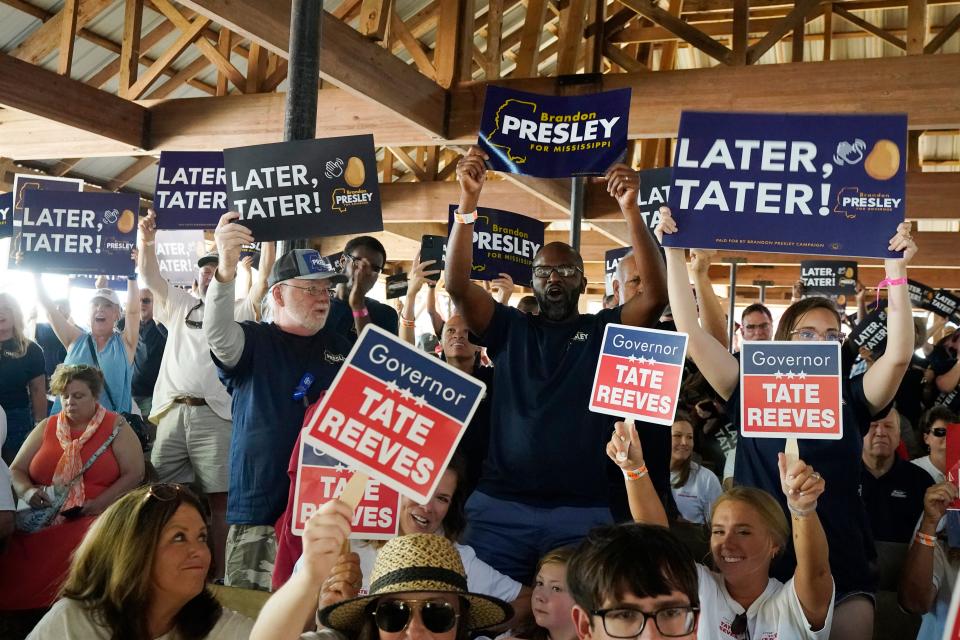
x,y
164,491
939,432
437,616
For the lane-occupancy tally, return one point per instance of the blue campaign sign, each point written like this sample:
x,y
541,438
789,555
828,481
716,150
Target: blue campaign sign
x,y
117,283
830,185
6,215
191,191
639,373
554,136
809,358
611,259
178,253
78,233
503,242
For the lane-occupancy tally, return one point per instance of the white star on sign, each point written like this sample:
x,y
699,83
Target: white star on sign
x,y
405,394
392,386
642,360
420,401
790,375
802,375
631,358
778,375
340,468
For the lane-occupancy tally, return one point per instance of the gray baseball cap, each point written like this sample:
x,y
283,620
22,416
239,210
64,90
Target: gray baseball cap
x,y
306,264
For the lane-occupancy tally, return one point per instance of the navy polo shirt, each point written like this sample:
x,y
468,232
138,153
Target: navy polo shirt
x,y
266,418
54,352
546,447
840,508
340,319
16,374
894,501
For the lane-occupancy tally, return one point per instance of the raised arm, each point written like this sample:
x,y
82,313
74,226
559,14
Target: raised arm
x,y
415,282
625,451
504,287
436,318
623,184
475,304
131,319
716,364
66,331
881,381
292,607
861,302
258,284
223,333
917,591
812,580
712,317
148,266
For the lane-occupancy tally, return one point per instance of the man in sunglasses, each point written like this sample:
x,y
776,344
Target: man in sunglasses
x,y
190,406
273,371
633,581
351,310
891,488
544,482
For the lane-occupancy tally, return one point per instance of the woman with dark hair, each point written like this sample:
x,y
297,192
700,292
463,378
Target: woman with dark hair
x,y
418,587
864,397
23,385
694,487
141,573
933,426
71,467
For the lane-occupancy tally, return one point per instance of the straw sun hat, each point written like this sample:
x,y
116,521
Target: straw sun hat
x,y
411,563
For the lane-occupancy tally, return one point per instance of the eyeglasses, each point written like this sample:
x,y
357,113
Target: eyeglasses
x,y
194,324
939,432
313,290
393,616
564,270
164,491
373,267
809,335
671,622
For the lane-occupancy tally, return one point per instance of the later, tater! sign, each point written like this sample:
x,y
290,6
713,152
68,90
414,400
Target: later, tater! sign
x,y
790,389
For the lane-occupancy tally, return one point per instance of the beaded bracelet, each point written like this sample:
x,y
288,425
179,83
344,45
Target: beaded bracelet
x,y
635,474
802,513
407,323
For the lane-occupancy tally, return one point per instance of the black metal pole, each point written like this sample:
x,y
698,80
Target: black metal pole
x,y
731,322
303,77
577,190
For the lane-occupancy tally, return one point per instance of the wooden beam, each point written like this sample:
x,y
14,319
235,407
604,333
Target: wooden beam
x,y
170,54
64,167
412,165
691,34
224,40
124,177
180,78
571,35
938,40
45,39
256,67
68,35
413,46
346,59
741,26
428,201
796,18
926,88
530,35
373,18
828,32
130,45
869,27
494,32
916,27
449,48
40,92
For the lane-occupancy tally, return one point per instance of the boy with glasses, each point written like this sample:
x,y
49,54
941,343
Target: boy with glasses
x,y
363,260
633,581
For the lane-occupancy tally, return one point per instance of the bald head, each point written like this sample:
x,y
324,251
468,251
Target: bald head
x,y
626,279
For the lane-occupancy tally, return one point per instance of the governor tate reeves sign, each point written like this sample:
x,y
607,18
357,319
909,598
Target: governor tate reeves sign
x,y
396,413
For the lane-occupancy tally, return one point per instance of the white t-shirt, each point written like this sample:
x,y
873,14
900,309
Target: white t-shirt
x,y
186,368
926,464
481,577
944,581
68,620
775,615
695,499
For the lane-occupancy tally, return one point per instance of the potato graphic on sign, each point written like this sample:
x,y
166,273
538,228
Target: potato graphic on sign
x,y
354,174
883,161
126,221
849,272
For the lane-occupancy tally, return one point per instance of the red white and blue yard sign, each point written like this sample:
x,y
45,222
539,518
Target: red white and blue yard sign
x,y
638,374
396,413
790,389
321,478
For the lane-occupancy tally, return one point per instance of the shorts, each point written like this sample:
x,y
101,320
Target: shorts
x,y
193,446
251,553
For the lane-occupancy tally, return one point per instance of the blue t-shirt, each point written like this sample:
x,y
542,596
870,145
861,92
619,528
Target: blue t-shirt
x,y
266,418
840,508
115,365
54,352
546,447
340,319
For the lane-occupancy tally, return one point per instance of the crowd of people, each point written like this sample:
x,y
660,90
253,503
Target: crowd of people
x,y
156,451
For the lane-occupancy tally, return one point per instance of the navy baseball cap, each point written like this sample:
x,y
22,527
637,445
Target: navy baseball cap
x,y
306,264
